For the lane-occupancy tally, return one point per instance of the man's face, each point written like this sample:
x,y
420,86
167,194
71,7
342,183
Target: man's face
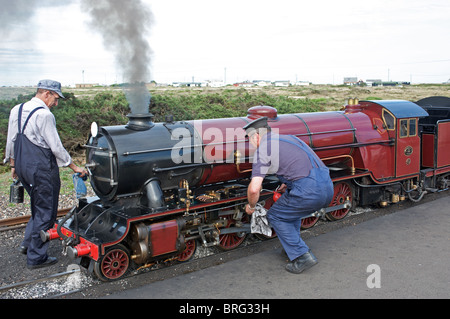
x,y
254,139
52,99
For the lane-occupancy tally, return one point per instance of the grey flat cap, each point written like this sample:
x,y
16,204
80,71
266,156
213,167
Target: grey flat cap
x,y
51,85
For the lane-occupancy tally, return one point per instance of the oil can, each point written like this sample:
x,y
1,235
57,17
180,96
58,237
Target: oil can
x,y
16,192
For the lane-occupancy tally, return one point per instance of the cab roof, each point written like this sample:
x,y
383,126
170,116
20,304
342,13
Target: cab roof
x,y
401,108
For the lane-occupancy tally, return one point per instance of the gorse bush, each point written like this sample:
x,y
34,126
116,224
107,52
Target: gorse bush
x,y
228,103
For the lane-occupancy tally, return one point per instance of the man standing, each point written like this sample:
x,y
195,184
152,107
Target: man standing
x,y
35,153
306,184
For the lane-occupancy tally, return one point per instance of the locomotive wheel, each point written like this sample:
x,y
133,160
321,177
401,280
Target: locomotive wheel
x,y
342,191
231,241
188,253
114,264
308,222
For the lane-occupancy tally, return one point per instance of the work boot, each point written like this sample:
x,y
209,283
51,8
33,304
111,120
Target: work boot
x,y
23,250
299,264
50,261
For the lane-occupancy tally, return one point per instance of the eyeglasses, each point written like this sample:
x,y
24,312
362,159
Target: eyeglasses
x,y
55,96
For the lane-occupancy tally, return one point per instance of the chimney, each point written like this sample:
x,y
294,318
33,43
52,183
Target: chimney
x,y
140,121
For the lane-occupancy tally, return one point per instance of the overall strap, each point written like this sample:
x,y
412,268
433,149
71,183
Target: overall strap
x,y
28,118
20,117
312,157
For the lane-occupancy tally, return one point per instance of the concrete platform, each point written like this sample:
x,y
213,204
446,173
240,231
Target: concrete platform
x,y
401,255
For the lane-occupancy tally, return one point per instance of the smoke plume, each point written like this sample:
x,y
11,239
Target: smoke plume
x,y
16,13
124,26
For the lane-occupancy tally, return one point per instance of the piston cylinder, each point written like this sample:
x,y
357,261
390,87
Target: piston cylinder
x,y
150,240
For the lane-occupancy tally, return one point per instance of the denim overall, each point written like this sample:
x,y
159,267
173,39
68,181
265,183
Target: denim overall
x,y
38,171
302,198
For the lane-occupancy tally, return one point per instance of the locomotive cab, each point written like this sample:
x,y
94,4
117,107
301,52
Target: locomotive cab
x,y
396,121
402,117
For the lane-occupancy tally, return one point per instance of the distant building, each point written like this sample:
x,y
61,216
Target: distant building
x,y
215,84
373,82
243,84
350,81
188,84
262,83
86,85
282,83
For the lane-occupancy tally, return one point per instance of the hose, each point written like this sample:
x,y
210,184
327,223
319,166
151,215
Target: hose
x,y
65,238
416,200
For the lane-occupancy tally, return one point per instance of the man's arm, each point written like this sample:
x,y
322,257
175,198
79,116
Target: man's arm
x,y
254,188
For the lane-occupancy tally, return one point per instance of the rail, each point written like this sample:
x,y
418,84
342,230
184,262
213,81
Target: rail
x,y
16,222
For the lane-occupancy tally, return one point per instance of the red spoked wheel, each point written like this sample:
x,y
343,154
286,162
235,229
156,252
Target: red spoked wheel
x,y
114,264
308,222
189,251
233,240
342,192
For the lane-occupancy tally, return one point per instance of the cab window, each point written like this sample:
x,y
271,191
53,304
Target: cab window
x,y
403,128
408,127
389,120
412,127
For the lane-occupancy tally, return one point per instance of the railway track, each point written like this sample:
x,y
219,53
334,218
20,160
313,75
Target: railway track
x,y
51,286
17,222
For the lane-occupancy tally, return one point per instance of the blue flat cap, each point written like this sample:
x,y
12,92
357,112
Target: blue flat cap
x,y
51,85
251,127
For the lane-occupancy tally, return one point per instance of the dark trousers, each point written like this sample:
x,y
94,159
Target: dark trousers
x,y
302,198
44,194
38,171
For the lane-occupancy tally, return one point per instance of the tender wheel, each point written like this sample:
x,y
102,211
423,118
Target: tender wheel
x,y
114,264
342,191
188,253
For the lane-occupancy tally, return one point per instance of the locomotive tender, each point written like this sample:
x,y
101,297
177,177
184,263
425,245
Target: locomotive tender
x,y
164,187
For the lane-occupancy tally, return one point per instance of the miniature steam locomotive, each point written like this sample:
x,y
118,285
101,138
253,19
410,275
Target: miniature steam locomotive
x,y
162,188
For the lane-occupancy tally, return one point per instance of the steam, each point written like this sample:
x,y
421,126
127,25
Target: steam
x,y
124,26
14,11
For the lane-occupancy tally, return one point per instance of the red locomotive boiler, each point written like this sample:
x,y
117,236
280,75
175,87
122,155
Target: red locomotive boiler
x,y
162,188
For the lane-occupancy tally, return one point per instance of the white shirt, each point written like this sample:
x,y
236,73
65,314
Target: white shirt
x,y
40,130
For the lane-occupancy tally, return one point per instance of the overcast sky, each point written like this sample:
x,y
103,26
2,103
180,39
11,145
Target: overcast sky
x,y
321,41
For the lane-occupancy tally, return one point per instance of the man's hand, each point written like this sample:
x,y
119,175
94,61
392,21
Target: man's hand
x,y
77,169
249,210
282,188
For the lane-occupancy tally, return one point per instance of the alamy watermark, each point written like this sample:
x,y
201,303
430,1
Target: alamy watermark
x,y
374,279
218,145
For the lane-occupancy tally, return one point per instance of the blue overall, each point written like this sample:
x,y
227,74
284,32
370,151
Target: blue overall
x,y
303,197
38,171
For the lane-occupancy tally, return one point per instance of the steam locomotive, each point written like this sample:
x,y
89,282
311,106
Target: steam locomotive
x,y
162,188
